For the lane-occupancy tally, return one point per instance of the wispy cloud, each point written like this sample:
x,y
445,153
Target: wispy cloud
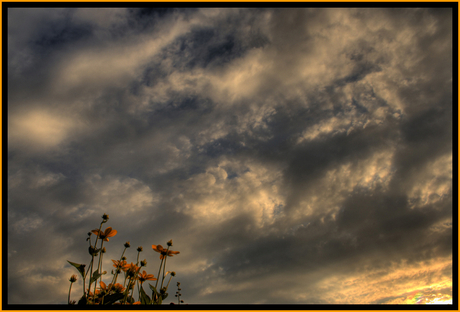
x,y
293,155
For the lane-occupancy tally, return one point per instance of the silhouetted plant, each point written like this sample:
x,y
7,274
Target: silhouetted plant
x,y
178,294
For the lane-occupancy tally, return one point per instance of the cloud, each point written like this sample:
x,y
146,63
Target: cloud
x,y
214,196
39,130
124,196
435,182
293,155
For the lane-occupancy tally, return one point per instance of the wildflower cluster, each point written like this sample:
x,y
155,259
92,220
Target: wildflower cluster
x,y
120,291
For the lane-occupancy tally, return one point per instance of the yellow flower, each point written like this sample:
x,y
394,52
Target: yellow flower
x,y
144,277
164,252
105,234
158,248
119,264
131,269
117,287
104,288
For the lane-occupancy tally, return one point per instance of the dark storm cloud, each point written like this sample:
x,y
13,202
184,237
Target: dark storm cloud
x,y
291,154
217,45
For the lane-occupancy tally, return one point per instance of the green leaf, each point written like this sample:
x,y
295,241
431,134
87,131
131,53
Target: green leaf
x,y
79,267
156,297
153,288
145,299
110,299
95,276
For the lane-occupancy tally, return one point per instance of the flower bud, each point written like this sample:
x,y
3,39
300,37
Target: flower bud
x,y
73,278
89,233
182,301
169,243
173,273
103,250
105,217
123,258
93,251
127,245
139,249
144,263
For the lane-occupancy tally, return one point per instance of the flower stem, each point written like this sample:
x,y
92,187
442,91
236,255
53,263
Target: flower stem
x,y
137,282
92,257
164,268
69,292
114,280
163,278
98,264
156,284
126,292
170,277
101,255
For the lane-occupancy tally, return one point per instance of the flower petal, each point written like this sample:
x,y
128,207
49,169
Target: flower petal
x,y
172,253
112,233
157,248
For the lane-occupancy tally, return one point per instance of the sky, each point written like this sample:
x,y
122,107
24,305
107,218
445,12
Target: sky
x,y
293,155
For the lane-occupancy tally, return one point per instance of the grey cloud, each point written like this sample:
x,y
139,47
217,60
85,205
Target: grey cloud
x,y
291,154
215,46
